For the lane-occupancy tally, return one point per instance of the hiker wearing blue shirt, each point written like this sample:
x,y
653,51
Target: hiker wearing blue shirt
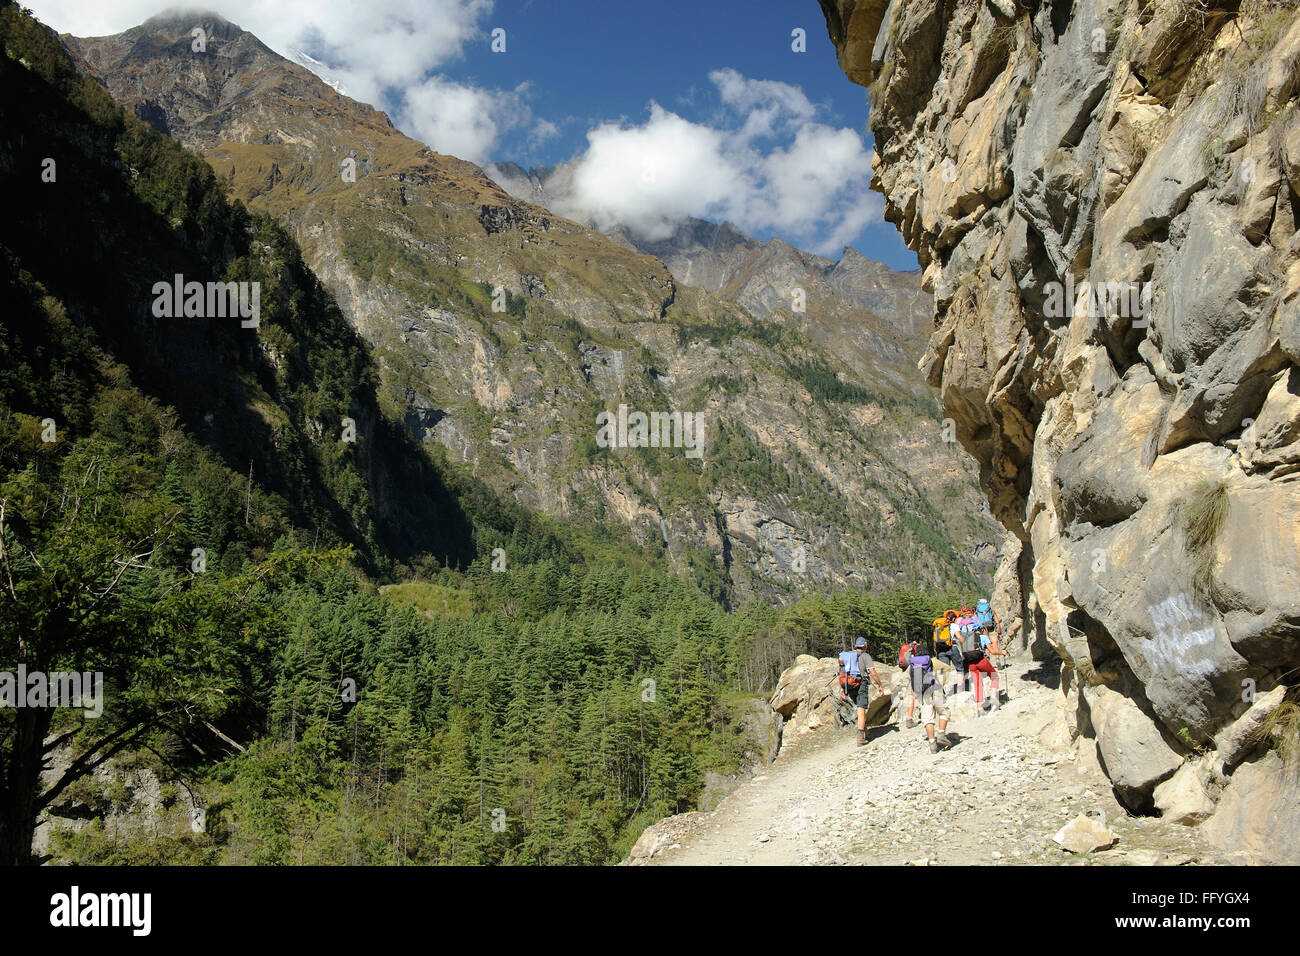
x,y
855,666
987,617
987,630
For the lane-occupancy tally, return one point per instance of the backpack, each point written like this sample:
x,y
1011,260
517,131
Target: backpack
x,y
971,650
919,670
942,635
850,676
905,651
919,660
984,613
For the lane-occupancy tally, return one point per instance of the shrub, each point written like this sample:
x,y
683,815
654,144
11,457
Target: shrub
x,y
1204,516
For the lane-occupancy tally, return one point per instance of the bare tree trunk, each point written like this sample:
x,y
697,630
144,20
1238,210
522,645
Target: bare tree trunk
x,y
248,495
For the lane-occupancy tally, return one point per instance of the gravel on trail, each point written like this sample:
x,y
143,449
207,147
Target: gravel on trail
x,y
1009,782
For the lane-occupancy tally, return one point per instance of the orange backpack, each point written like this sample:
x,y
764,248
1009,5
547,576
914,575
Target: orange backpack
x,y
942,634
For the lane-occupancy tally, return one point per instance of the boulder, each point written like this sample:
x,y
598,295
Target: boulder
x,y
646,845
1085,834
659,836
808,697
1236,741
1188,797
1259,813
808,675
961,706
1131,748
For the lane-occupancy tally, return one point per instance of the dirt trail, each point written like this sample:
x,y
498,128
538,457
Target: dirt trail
x,y
1009,782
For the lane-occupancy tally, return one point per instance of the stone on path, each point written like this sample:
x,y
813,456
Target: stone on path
x,y
1085,834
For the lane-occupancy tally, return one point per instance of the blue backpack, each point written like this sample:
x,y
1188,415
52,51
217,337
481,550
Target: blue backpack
x,y
850,675
984,612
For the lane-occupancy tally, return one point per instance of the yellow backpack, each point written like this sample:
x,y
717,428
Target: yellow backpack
x,y
941,635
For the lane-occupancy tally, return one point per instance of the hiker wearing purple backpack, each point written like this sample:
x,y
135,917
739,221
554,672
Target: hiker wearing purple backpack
x,y
934,702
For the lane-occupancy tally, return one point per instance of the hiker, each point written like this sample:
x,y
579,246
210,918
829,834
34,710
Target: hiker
x,y
965,619
855,666
947,650
987,616
963,642
933,701
904,654
976,641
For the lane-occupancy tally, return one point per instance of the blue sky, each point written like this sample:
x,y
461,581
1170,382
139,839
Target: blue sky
x,y
590,61
669,109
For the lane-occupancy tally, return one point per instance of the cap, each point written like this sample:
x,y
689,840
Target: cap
x,y
860,642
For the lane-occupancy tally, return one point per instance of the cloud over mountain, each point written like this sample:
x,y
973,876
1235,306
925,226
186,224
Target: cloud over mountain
x,y
388,53
762,159
764,163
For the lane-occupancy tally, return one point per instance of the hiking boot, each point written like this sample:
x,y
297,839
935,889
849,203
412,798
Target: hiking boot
x,y
909,723
944,740
862,737
934,746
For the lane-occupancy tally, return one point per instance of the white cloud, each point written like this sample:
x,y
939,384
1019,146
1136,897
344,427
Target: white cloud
x,y
383,52
653,176
767,165
768,106
542,131
764,161
461,120
92,20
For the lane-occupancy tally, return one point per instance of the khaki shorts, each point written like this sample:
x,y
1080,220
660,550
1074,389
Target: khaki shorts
x,y
933,702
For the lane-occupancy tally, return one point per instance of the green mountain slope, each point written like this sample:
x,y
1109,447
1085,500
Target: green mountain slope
x,y
818,472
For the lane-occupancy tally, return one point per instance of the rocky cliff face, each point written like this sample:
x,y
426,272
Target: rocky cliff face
x,y
502,329
1104,197
725,261
871,317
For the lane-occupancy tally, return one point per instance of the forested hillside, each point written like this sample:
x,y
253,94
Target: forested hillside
x,y
180,509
